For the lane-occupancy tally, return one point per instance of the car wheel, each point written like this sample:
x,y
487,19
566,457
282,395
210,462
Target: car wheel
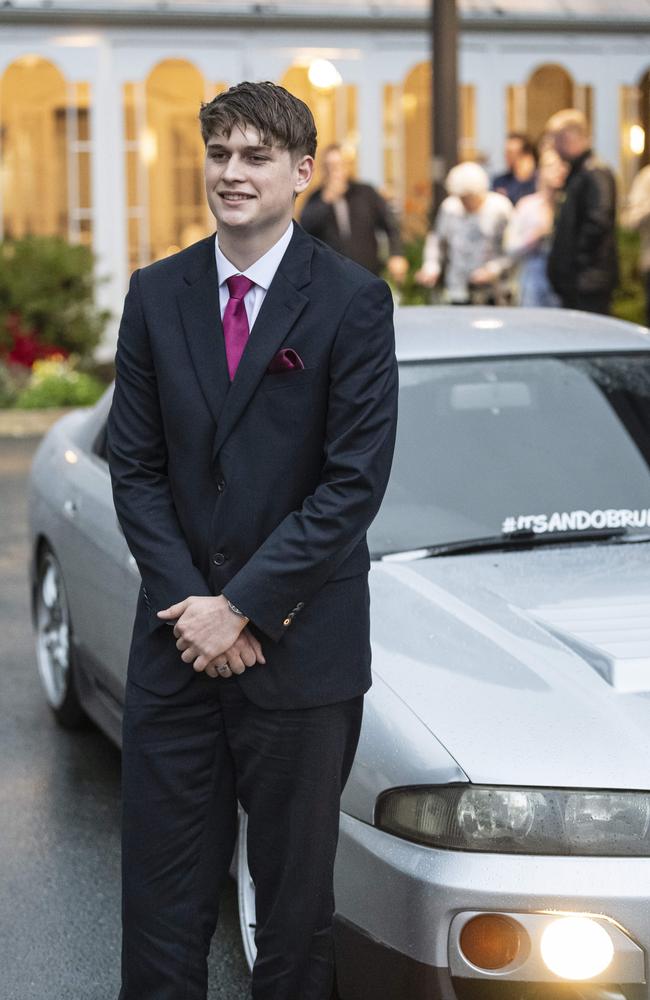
x,y
246,898
245,893
54,643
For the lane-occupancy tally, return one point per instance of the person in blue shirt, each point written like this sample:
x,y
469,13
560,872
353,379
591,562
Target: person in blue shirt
x,y
520,178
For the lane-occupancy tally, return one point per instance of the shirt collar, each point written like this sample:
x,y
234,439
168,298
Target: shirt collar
x,y
263,270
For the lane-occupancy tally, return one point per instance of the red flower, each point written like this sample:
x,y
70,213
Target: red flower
x,y
25,348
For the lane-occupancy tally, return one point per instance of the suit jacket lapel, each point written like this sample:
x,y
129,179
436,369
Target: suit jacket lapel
x,y
201,319
282,306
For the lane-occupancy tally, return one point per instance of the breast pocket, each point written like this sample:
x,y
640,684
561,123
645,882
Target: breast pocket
x,y
299,380
285,402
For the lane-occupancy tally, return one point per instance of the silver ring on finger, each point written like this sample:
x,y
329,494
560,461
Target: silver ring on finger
x,y
224,669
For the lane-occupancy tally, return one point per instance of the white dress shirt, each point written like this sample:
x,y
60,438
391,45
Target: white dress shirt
x,y
261,272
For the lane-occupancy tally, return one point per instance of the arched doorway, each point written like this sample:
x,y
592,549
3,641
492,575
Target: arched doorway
x,y
166,202
44,152
407,142
550,88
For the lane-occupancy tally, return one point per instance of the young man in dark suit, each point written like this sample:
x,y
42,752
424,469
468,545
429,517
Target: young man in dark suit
x,y
250,442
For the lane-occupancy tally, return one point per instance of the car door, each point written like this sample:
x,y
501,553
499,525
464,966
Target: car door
x,y
101,576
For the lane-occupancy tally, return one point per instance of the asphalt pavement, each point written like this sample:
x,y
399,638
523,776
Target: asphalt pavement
x,y
59,814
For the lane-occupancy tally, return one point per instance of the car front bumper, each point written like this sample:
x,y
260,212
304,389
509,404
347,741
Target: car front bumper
x,y
398,905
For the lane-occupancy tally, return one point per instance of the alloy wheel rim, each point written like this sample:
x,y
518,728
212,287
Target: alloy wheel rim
x,y
52,632
245,894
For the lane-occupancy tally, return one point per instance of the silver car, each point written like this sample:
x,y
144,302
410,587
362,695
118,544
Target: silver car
x,y
495,830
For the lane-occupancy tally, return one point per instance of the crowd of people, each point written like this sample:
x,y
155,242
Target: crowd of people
x,y
543,233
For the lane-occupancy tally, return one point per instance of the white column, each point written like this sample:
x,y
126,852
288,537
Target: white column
x,y
491,99
108,193
606,125
370,116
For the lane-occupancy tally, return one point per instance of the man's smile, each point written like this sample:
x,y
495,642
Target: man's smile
x,y
235,196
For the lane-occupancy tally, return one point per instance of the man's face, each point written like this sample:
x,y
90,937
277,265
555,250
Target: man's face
x,y
251,186
570,143
335,168
511,152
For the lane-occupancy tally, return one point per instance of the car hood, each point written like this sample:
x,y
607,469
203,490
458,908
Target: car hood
x,y
530,667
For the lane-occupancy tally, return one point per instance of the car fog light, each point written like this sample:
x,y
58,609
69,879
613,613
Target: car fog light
x,y
576,948
491,941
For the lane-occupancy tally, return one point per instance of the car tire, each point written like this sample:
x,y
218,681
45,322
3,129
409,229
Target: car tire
x,y
246,898
54,643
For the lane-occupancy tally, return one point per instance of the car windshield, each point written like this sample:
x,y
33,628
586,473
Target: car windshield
x,y
495,449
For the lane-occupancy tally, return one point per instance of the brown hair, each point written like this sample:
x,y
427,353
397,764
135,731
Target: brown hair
x,y
280,118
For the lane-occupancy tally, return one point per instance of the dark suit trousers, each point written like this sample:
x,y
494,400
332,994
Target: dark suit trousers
x,y
187,758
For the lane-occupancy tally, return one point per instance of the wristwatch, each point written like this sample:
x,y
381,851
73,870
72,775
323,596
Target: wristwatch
x,y
235,610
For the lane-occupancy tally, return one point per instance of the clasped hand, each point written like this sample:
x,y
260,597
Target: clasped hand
x,y
211,637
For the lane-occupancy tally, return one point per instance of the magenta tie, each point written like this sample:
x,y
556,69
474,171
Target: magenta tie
x,y
235,321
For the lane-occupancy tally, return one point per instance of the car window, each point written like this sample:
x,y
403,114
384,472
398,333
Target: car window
x,y
488,447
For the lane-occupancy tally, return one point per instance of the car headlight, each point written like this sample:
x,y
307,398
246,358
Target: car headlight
x,y
519,820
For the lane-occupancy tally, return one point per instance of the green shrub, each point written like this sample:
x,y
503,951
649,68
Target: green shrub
x,y
8,387
629,298
48,285
409,293
56,383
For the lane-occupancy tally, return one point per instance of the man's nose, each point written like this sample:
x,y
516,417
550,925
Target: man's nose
x,y
233,170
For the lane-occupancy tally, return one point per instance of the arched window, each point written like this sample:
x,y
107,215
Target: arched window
x,y
643,138
166,202
44,152
635,129
407,142
550,88
335,112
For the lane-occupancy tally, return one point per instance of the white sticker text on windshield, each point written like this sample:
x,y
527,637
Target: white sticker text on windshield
x,y
577,520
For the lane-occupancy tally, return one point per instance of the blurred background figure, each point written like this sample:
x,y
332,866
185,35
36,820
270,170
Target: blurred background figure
x,y
528,236
349,215
583,258
636,215
467,239
521,162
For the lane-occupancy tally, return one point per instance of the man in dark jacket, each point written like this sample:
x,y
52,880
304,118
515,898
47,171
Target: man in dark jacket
x,y
348,215
583,264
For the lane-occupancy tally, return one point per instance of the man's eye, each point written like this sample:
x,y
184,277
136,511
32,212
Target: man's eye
x,y
256,158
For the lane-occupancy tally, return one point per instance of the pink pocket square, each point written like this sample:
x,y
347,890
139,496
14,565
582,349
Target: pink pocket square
x,y
285,360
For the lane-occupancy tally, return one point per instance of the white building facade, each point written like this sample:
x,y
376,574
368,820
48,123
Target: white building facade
x,y
99,139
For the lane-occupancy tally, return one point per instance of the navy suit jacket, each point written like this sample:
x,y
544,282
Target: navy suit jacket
x,y
263,488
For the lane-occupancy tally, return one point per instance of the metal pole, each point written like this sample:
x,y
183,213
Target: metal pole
x,y
444,103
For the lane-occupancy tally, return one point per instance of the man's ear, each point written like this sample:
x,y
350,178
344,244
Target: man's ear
x,y
304,171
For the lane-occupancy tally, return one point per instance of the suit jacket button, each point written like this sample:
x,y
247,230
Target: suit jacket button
x,y
221,485
218,558
287,621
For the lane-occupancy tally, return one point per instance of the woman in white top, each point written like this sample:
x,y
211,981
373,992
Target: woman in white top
x,y
467,239
527,238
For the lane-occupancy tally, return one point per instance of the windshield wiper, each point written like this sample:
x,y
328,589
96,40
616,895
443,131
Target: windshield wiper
x,y
521,539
